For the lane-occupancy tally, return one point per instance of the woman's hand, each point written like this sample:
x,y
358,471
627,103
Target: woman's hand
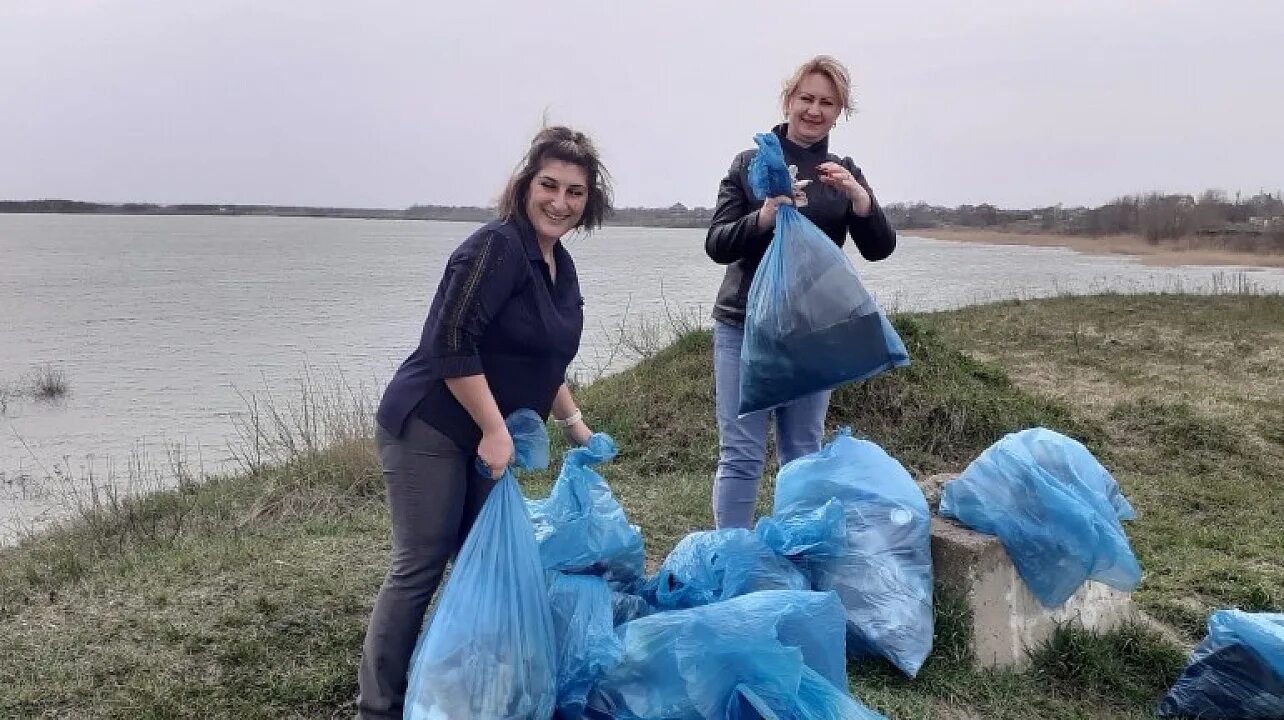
x,y
496,450
767,213
835,175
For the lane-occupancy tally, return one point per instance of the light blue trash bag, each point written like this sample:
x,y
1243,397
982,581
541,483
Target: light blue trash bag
x,y
712,565
1236,672
587,644
1056,510
810,324
488,652
668,670
807,537
581,527
883,574
768,682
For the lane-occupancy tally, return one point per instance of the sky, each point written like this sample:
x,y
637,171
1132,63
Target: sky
x,y
388,104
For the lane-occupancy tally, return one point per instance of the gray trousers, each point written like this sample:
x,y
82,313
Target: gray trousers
x,y
434,495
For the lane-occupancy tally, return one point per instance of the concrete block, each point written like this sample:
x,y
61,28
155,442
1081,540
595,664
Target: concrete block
x,y
1007,620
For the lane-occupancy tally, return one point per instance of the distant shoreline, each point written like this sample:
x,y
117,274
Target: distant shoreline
x,y
1169,253
677,215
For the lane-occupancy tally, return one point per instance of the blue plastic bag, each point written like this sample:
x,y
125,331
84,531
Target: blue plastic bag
x,y
757,679
581,527
626,606
1067,458
810,324
884,573
668,669
778,692
712,565
1236,672
489,650
807,536
1056,510
586,641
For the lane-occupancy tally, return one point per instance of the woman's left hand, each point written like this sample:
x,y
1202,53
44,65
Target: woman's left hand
x,y
578,433
835,175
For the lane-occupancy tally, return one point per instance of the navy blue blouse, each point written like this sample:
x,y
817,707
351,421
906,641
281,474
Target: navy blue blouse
x,y
496,312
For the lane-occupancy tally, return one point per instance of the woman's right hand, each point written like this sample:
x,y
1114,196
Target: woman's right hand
x,y
767,213
496,450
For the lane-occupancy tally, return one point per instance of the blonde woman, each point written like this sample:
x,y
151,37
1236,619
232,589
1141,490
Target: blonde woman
x,y
840,202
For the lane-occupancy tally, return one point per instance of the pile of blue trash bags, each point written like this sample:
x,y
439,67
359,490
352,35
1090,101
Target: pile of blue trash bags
x,y
548,612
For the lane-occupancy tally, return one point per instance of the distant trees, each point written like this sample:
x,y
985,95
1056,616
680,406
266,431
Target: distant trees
x,y
1253,223
1256,222
1212,218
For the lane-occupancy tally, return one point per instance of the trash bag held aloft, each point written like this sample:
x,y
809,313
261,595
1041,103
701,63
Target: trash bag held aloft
x,y
581,527
586,641
1056,510
1236,672
712,565
667,673
489,650
810,325
884,573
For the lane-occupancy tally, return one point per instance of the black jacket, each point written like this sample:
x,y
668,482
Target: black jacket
x,y
496,312
734,239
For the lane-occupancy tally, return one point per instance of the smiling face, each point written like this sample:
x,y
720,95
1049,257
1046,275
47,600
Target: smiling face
x,y
556,199
813,108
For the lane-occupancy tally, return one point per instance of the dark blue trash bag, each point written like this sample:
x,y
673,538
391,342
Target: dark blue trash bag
x,y
489,650
1236,672
883,575
712,565
587,644
810,325
1056,510
581,527
684,664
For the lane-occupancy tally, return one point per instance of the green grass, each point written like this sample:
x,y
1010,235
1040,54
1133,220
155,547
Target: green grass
x,y
1190,397
246,597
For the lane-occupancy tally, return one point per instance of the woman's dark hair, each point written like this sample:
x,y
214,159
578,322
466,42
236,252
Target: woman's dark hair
x,y
569,146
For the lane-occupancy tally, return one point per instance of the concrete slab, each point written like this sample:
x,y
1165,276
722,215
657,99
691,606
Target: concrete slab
x,y
1007,620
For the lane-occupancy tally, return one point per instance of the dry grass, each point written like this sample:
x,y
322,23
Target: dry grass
x,y
1185,252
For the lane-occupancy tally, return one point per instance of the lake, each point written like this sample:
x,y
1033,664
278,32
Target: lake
x,y
162,326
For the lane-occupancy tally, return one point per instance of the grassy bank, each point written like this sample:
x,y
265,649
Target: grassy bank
x,y
246,597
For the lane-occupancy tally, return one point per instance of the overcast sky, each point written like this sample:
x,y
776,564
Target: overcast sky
x,y
385,104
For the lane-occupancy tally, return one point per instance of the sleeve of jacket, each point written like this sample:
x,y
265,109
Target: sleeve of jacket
x,y
480,277
733,232
873,235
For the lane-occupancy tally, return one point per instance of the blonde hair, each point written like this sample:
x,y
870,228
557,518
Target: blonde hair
x,y
825,65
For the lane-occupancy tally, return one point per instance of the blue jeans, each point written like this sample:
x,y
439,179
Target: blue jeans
x,y
742,442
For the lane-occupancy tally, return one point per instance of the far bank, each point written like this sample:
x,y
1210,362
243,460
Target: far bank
x,y
1169,253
